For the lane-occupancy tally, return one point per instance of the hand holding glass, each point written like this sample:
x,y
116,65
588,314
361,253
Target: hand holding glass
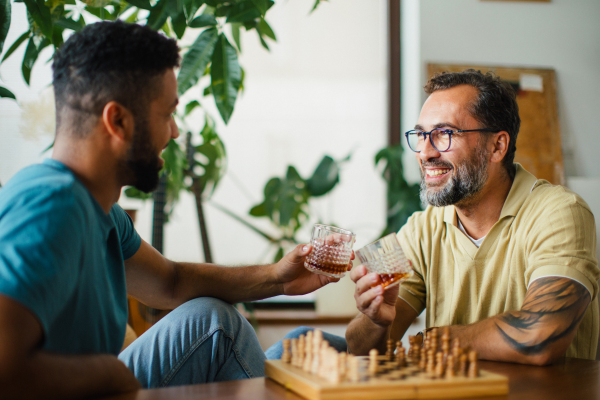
x,y
332,250
386,258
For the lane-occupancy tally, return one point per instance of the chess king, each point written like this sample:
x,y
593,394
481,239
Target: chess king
x,y
505,261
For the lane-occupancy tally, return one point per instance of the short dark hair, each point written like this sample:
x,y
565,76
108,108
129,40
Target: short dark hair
x,y
109,61
495,107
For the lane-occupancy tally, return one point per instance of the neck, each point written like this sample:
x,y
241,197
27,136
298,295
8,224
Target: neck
x,y
87,159
478,214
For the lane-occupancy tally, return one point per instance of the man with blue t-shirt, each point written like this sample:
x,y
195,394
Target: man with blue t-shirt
x,y
69,255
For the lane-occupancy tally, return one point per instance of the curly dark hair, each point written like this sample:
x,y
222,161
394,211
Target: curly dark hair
x,y
109,61
495,107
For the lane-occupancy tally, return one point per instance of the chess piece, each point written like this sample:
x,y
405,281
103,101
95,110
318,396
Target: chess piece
x,y
323,360
294,358
450,366
446,342
400,355
389,354
342,358
473,367
334,366
456,348
308,356
286,356
316,361
434,339
430,367
353,373
423,359
373,364
301,351
462,368
439,365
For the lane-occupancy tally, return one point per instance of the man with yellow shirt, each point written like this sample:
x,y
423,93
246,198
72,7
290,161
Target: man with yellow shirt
x,y
505,260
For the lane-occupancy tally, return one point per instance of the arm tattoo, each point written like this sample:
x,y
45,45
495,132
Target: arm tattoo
x,y
553,307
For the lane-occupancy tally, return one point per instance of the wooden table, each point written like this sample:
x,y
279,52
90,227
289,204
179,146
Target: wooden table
x,y
569,379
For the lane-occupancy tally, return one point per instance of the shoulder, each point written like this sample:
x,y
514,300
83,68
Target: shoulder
x,y
41,191
550,198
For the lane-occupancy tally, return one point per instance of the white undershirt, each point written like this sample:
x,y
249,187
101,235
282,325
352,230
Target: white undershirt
x,y
477,242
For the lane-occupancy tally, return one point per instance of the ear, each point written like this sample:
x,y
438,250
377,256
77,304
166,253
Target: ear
x,y
118,121
500,143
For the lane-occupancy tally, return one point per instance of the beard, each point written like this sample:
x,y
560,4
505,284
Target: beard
x,y
141,163
469,179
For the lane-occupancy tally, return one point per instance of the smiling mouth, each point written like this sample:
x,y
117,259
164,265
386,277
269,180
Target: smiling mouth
x,y
436,172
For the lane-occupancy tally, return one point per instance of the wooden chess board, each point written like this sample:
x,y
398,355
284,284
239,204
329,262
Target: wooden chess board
x,y
391,382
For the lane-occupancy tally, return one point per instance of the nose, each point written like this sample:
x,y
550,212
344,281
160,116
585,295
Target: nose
x,y
428,151
174,129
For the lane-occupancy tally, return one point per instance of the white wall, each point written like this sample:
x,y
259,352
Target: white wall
x,y
563,35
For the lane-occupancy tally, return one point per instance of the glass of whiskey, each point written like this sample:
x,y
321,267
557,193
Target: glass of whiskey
x,y
331,250
386,258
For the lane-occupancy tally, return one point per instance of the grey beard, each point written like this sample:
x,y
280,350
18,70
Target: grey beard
x,y
469,179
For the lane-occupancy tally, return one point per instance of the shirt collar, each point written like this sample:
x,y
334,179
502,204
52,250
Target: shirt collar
x,y
520,189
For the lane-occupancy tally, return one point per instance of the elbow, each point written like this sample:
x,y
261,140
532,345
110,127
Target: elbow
x,y
548,357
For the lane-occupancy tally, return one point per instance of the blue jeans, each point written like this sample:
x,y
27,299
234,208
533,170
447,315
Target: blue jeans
x,y
274,352
203,340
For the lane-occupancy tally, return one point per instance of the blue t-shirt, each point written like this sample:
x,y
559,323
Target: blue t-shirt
x,y
61,256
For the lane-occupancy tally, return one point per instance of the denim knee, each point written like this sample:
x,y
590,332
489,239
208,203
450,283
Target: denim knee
x,y
296,332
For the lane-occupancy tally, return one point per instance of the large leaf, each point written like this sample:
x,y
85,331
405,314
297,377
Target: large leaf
x,y
101,13
68,23
203,20
190,8
41,15
243,11
285,201
226,77
189,107
264,29
325,177
261,5
179,23
16,44
143,4
161,12
235,33
196,59
4,21
214,158
32,52
4,92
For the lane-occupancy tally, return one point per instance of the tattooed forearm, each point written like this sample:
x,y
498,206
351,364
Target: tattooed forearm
x,y
552,310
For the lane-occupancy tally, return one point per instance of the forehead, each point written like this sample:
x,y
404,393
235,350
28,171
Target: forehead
x,y
449,106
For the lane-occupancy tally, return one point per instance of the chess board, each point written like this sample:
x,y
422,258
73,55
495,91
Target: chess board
x,y
390,382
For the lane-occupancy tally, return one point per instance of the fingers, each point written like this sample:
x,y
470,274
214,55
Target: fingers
x,y
299,252
358,273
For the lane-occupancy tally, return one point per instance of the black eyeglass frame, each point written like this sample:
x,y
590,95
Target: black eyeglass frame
x,y
450,132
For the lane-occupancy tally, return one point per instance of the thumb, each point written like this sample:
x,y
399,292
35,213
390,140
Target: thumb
x,y
299,252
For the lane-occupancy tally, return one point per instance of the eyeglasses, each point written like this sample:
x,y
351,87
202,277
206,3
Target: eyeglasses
x,y
440,138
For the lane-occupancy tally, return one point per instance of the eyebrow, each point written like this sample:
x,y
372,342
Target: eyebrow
x,y
438,125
